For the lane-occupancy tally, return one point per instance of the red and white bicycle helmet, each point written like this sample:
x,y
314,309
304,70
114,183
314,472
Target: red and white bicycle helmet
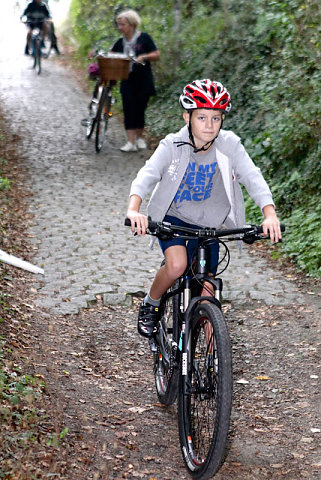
x,y
205,94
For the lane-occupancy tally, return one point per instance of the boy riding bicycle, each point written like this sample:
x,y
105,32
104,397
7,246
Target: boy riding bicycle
x,y
196,174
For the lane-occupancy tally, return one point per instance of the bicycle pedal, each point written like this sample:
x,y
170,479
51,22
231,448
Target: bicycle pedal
x,y
84,122
152,345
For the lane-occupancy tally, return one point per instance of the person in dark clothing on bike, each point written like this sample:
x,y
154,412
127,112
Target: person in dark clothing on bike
x,y
38,10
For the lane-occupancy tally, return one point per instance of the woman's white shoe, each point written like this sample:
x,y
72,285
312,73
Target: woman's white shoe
x,y
141,144
129,147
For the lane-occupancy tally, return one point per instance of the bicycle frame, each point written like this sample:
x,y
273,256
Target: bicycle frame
x,y
187,304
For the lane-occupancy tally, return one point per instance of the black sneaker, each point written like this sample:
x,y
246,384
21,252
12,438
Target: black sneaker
x,y
148,318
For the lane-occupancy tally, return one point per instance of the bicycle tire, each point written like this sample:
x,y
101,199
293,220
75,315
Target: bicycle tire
x,y
102,118
36,52
92,118
37,60
166,363
204,411
93,108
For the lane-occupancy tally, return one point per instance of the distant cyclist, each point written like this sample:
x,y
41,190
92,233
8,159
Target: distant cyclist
x,y
38,16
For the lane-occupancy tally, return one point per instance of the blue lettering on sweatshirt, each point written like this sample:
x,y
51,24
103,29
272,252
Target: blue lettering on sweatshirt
x,y
197,183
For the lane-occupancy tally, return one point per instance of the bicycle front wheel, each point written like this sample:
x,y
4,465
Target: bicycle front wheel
x,y
205,393
37,56
166,362
93,109
104,111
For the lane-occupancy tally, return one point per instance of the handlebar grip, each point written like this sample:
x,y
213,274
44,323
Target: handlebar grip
x,y
260,228
152,226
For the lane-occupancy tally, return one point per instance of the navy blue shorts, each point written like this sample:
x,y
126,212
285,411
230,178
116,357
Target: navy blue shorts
x,y
191,245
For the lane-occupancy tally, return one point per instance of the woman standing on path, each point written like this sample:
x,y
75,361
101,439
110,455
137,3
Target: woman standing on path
x,y
137,89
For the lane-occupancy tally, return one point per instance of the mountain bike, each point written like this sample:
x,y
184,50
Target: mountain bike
x,y
111,69
192,349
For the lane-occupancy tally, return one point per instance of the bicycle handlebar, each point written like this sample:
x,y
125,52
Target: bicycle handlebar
x,y
247,234
34,18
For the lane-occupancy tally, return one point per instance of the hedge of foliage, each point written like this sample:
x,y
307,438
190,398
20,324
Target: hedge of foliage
x,y
267,53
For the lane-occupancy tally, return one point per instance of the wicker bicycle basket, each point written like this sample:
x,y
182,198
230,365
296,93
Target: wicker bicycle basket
x,y
113,68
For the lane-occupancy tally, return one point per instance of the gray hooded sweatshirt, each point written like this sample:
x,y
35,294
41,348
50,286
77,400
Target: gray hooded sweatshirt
x,y
165,169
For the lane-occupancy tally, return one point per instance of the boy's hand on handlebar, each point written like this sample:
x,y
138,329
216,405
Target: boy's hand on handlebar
x,y
271,224
139,222
271,228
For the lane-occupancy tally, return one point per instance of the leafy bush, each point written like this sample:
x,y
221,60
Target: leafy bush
x,y
303,242
4,183
267,53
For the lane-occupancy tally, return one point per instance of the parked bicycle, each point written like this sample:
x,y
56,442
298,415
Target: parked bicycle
x,y
192,349
111,69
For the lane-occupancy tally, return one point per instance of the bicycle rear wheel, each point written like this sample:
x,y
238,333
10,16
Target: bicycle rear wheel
x,y
166,363
104,111
204,410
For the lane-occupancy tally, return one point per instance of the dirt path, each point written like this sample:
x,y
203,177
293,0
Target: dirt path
x,y
100,375
97,370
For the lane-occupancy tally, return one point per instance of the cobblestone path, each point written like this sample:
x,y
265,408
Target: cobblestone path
x,y
80,198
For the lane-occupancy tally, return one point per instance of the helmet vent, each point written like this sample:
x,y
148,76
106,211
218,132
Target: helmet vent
x,y
200,99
